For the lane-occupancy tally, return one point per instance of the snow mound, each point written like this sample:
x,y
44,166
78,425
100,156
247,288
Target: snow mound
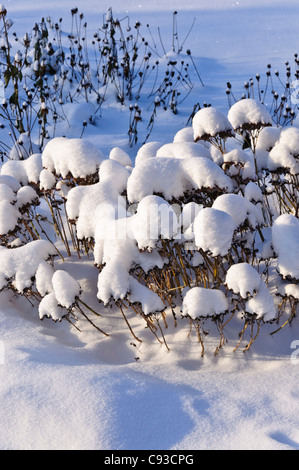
x,y
281,158
49,308
240,209
150,301
86,203
243,279
65,288
26,196
9,216
213,231
285,240
290,290
253,193
184,135
200,303
148,150
76,157
289,137
209,122
240,163
47,180
120,156
43,278
249,113
7,194
10,181
172,177
267,138
18,266
25,171
155,219
23,148
183,150
262,305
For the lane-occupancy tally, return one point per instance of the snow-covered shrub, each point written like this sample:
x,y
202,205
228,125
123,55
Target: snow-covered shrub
x,y
198,228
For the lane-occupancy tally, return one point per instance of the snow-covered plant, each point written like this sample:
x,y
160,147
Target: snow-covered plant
x,y
203,228
50,70
252,299
211,125
200,304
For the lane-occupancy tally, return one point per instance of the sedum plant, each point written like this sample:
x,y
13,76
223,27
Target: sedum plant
x,y
186,234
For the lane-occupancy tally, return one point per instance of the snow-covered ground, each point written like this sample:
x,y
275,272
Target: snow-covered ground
x,y
61,389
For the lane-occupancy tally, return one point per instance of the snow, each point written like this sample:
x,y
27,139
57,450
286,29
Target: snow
x,y
148,150
10,181
262,304
25,171
253,192
210,122
150,301
280,157
7,194
9,216
213,231
285,240
242,164
120,156
248,112
43,278
65,389
240,209
200,302
77,157
243,279
183,150
268,137
49,308
173,177
65,288
19,265
85,202
26,196
47,180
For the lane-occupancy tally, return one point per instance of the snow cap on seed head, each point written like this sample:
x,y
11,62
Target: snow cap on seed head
x,y
209,122
249,114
